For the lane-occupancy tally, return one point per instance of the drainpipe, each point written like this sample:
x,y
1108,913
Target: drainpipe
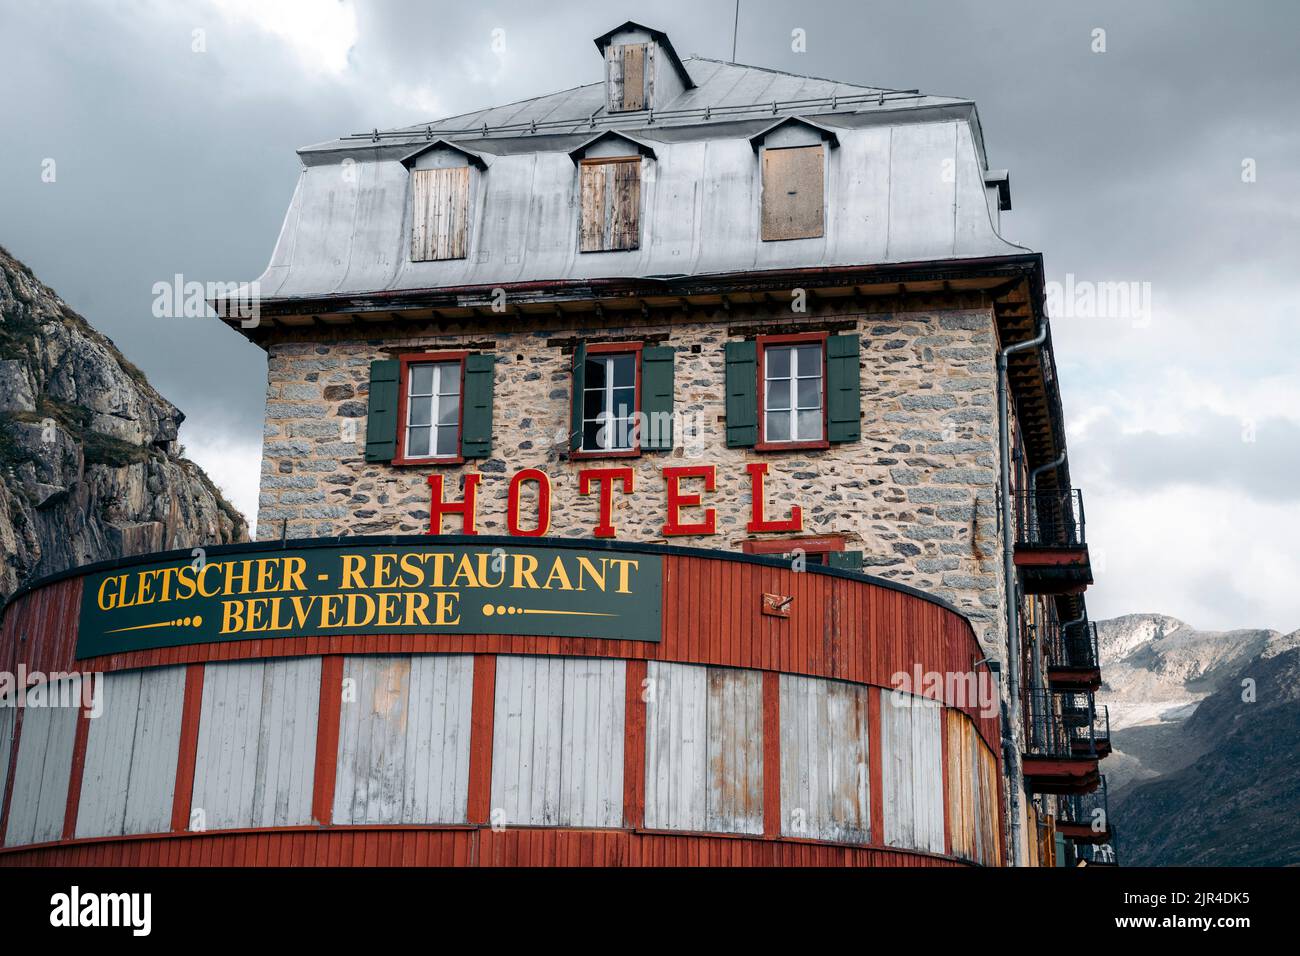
x,y
1009,578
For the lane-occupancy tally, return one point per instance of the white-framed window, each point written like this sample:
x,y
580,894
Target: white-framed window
x,y
432,426
793,392
609,402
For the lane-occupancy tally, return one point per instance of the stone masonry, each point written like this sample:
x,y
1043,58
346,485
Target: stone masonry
x,y
917,495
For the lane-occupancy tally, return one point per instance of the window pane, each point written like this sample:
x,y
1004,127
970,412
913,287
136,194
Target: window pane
x,y
810,393
590,436
810,360
624,370
596,372
778,362
449,378
619,432
449,410
421,380
778,395
778,427
419,410
593,403
810,425
417,443
624,401
447,441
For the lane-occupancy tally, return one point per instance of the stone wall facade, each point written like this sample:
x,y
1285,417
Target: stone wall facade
x,y
917,494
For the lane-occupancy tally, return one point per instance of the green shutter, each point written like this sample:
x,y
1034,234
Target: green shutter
x,y
843,392
657,398
579,381
742,394
848,560
381,419
476,426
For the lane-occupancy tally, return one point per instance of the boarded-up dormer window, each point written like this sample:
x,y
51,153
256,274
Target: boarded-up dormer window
x,y
611,204
440,229
629,88
793,193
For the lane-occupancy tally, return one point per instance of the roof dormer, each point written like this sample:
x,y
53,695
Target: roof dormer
x,y
642,70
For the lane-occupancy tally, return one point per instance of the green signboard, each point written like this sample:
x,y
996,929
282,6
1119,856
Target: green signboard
x,y
373,589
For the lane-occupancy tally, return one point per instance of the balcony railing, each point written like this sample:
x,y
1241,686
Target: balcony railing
x,y
1066,725
1073,645
1050,519
1090,810
1096,854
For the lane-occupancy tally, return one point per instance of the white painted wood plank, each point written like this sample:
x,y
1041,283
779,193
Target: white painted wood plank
x,y
44,767
131,749
558,741
404,741
824,760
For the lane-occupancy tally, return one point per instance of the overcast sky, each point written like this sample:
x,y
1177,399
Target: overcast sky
x,y
1126,166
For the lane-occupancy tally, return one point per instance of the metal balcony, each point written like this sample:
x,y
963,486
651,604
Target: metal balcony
x,y
1051,546
1085,817
1060,752
1073,662
1096,854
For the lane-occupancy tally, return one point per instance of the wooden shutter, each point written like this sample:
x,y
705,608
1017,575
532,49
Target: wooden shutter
x,y
849,560
634,61
657,398
843,391
579,383
742,394
440,227
611,205
381,418
476,420
793,193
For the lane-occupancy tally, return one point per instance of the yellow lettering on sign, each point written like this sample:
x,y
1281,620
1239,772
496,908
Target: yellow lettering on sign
x,y
558,574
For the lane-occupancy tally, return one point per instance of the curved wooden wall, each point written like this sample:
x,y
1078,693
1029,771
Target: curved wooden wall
x,y
843,629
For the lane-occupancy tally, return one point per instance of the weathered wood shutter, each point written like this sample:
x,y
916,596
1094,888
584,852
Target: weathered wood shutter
x,y
476,422
843,390
793,193
657,398
381,418
611,206
742,394
440,224
848,560
634,76
579,384
629,76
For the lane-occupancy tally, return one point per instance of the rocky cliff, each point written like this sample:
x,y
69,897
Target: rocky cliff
x,y
90,467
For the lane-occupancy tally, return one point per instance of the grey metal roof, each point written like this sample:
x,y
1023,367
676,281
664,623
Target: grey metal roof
x,y
723,92
907,183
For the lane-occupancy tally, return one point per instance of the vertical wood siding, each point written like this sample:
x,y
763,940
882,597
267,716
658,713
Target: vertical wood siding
x,y
973,794
825,768
912,752
404,739
704,749
557,754
130,770
257,743
8,718
440,211
42,772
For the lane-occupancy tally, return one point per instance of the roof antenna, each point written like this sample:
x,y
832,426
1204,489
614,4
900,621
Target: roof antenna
x,y
735,28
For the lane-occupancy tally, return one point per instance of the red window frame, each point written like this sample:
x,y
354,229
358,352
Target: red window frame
x,y
763,342
617,348
822,545
423,358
